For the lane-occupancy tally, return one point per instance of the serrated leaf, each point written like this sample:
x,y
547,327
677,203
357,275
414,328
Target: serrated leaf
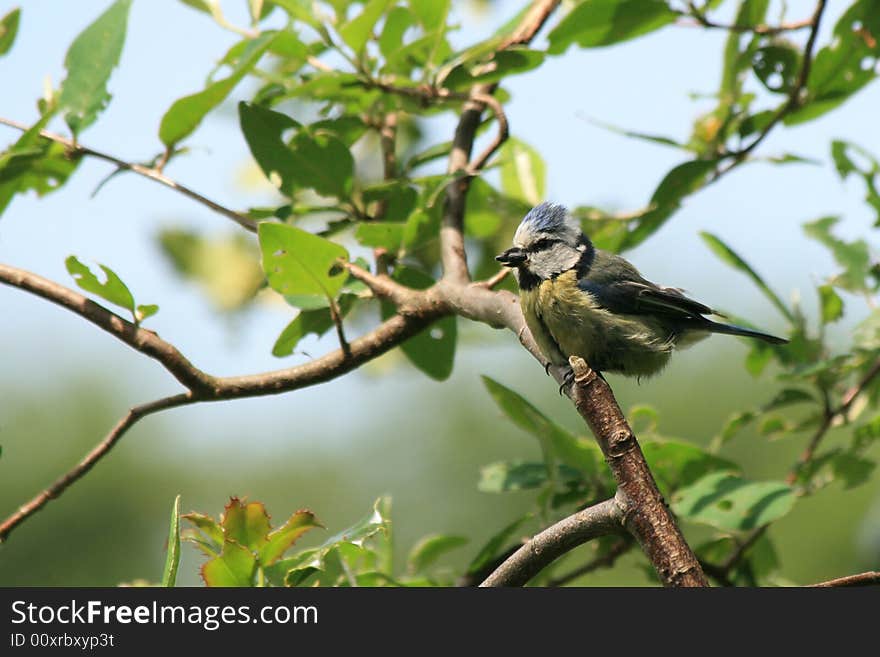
x,y
731,503
430,548
604,22
282,539
9,29
89,62
246,523
186,113
523,174
236,566
733,259
433,349
112,289
207,526
298,262
172,558
556,442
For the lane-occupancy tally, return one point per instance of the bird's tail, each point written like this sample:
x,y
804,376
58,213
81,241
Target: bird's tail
x,y
733,329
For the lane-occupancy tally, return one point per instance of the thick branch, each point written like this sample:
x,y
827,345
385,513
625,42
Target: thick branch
x,y
544,548
97,453
646,515
147,172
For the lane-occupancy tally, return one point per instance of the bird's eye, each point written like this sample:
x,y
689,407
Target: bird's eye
x,y
542,244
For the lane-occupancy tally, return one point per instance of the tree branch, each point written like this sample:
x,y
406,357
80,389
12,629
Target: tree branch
x,y
153,174
547,546
90,459
645,513
870,578
701,20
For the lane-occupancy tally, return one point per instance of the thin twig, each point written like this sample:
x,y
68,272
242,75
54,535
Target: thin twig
x,y
153,173
870,578
494,281
90,459
701,20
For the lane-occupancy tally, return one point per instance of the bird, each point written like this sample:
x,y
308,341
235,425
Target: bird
x,y
582,301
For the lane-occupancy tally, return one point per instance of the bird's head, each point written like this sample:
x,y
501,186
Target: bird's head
x,y
547,243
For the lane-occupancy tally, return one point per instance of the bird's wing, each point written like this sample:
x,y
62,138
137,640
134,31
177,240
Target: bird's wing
x,y
643,297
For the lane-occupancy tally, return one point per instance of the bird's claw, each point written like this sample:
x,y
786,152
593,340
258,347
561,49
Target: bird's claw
x,y
567,380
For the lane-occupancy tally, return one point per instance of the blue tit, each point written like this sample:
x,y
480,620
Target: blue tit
x,y
581,301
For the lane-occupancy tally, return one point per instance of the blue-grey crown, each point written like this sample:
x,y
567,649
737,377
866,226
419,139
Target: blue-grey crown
x,y
547,217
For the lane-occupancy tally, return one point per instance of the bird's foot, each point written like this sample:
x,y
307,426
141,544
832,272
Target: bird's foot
x,y
567,381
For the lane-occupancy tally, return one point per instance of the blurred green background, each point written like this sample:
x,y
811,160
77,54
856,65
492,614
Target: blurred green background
x,y
385,428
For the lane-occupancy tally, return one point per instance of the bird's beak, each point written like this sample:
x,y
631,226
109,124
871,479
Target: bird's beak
x,y
512,257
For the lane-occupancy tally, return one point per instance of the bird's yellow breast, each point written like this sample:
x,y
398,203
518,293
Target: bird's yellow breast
x,y
567,321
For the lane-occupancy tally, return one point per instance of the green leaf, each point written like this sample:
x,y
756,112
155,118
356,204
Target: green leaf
x,y
676,465
207,526
603,22
246,523
263,130
841,153
490,551
854,257
556,442
317,321
172,559
678,183
523,174
830,303
852,469
430,548
185,115
34,163
236,566
506,476
357,31
226,268
504,64
398,20
298,262
433,349
89,62
9,29
296,569
839,69
282,539
145,310
385,234
733,259
112,289
777,66
731,503
398,199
